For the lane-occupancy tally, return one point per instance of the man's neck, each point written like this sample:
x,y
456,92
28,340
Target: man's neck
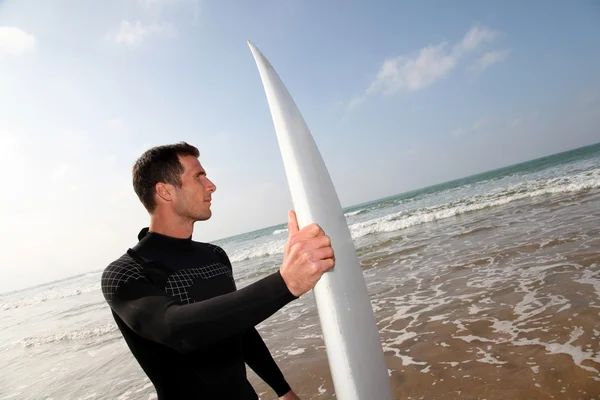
x,y
169,226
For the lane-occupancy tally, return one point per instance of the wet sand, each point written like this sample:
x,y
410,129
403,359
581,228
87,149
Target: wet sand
x,y
485,306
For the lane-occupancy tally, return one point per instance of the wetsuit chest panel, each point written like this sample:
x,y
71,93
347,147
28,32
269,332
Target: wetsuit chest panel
x,y
189,275
196,284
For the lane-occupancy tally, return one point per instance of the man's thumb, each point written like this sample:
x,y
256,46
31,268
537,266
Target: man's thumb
x,y
292,223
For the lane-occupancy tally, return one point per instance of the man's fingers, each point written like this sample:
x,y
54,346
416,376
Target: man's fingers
x,y
292,223
306,244
323,253
312,231
326,264
322,241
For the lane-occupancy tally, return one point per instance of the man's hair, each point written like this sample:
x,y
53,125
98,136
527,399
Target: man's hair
x,y
159,164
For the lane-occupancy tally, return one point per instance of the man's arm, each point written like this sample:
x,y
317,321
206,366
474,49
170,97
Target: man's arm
x,y
256,354
258,357
186,327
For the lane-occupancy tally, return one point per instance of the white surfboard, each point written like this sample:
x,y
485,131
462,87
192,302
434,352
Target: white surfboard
x,y
349,328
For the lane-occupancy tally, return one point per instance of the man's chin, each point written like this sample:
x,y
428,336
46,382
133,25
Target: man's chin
x,y
205,216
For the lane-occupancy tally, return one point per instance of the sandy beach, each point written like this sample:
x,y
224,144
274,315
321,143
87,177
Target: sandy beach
x,y
505,306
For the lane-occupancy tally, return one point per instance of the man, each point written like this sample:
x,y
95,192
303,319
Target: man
x,y
175,300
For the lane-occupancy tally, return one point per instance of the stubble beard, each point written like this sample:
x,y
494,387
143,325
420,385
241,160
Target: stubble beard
x,y
195,212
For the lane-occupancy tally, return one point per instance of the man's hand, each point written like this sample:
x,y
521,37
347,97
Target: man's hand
x,y
307,256
289,396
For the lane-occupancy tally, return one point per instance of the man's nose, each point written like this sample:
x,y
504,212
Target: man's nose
x,y
211,186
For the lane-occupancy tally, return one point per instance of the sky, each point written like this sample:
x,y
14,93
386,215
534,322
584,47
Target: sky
x,y
398,95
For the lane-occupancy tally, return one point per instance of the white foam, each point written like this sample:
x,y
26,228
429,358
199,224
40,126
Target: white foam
x,y
565,307
79,334
488,358
52,294
125,396
406,360
472,338
474,309
296,352
591,277
12,396
577,354
459,325
310,336
438,317
146,386
353,213
309,326
270,248
451,363
279,231
398,340
495,198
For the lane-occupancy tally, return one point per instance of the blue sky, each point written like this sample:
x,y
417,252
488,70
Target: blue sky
x,y
398,95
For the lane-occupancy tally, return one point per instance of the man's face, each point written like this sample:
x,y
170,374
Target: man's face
x,y
193,199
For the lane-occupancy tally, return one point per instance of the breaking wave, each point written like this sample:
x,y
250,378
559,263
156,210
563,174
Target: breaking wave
x,y
52,294
405,219
78,334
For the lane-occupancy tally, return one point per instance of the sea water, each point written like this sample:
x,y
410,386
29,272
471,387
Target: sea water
x,y
483,287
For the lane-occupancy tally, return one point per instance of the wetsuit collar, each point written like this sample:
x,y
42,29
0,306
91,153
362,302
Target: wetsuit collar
x,y
157,240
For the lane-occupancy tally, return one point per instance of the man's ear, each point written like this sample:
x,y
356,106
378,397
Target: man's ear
x,y
163,191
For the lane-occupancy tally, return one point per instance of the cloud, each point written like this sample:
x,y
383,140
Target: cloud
x,y
522,120
155,14
403,73
431,64
480,123
477,36
133,34
355,102
488,59
159,5
197,11
460,131
15,41
156,8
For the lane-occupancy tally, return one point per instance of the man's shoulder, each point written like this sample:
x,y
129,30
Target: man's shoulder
x,y
218,250
119,272
124,264
209,246
214,247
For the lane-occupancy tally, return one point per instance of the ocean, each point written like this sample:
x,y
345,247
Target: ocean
x,y
486,287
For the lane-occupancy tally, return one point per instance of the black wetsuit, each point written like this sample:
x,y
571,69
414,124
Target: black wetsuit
x,y
176,304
